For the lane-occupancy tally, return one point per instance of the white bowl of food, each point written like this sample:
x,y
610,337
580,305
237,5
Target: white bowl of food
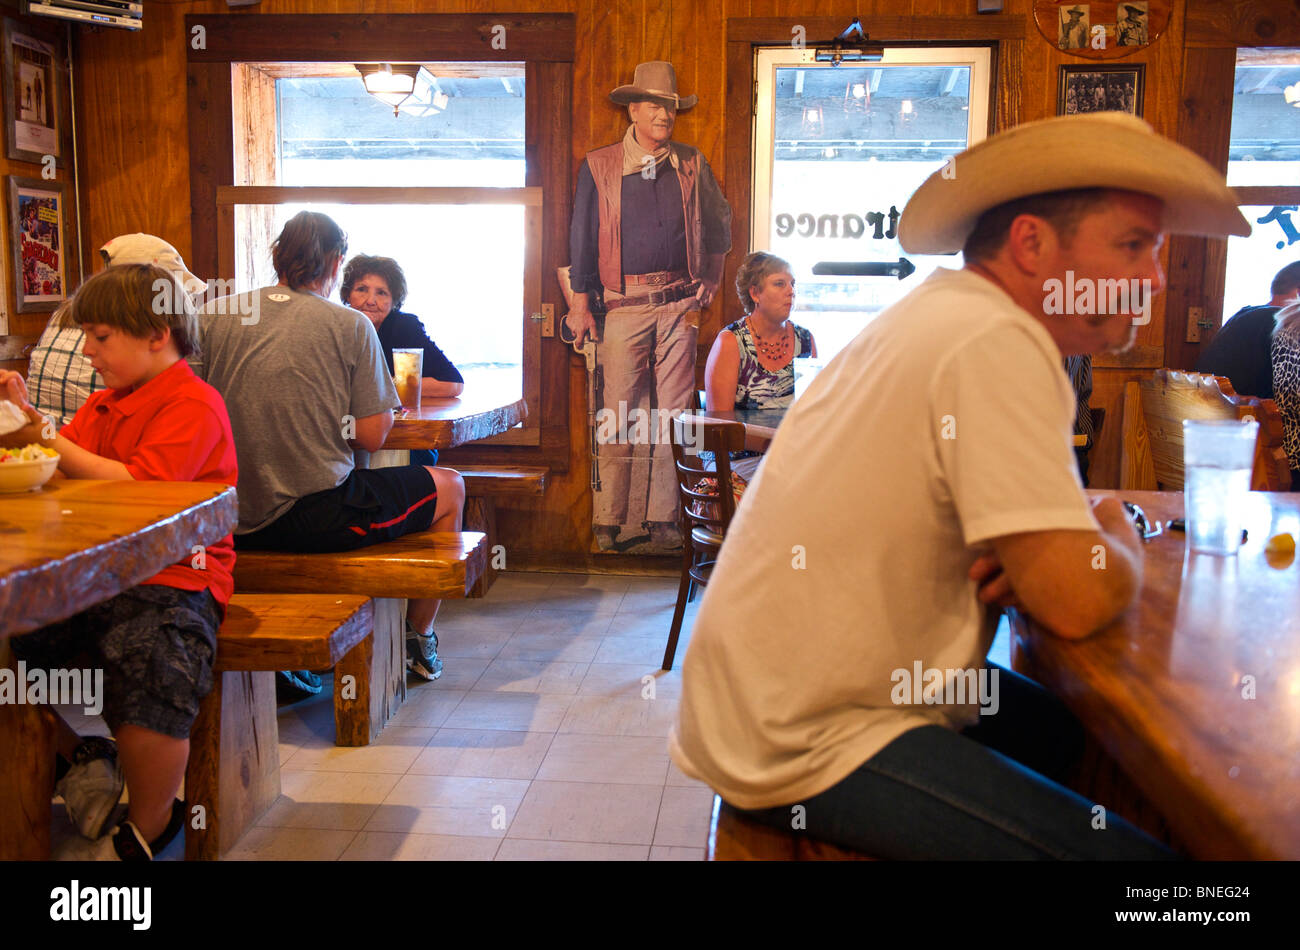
x,y
26,469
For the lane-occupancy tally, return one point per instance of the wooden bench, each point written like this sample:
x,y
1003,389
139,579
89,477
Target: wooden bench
x,y
428,564
734,836
484,486
233,772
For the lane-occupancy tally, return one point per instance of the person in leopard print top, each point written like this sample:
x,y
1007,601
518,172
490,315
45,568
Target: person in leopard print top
x,y
1286,383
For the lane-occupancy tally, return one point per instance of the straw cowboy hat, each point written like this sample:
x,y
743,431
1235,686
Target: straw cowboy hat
x,y
657,81
1099,150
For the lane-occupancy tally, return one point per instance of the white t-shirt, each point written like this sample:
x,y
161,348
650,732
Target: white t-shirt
x,y
945,423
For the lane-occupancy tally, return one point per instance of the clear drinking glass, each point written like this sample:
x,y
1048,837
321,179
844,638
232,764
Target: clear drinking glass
x,y
408,369
806,369
1217,459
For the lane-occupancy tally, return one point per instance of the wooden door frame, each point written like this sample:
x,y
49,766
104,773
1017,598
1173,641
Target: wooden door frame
x,y
1004,34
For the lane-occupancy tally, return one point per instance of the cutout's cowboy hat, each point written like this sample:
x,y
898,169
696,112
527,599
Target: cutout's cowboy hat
x,y
1099,150
656,81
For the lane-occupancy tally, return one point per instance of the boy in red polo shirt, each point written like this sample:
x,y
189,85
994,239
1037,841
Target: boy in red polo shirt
x,y
155,642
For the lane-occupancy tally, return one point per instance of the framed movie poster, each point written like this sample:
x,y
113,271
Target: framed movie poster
x,y
1100,88
30,93
38,239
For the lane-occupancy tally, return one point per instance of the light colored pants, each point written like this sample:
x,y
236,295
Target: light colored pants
x,y
647,357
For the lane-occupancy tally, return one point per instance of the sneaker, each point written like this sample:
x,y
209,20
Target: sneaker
x,y
123,843
422,654
93,785
293,685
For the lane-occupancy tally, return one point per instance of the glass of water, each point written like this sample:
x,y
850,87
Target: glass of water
x,y
806,369
1217,459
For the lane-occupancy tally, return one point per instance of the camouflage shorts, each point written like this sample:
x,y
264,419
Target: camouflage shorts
x,y
156,646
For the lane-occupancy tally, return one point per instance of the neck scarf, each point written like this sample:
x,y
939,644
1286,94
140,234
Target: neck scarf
x,y
634,154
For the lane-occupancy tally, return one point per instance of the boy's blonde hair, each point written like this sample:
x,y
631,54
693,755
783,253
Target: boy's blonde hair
x,y
138,299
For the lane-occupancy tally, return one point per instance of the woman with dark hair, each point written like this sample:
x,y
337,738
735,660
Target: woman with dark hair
x,y
377,287
305,383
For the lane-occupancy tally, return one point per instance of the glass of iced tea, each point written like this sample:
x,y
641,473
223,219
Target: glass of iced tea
x,y
408,368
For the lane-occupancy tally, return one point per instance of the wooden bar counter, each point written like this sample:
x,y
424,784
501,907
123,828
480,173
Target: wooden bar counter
x,y
1195,693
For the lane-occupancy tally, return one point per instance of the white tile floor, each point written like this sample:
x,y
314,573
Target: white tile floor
x,y
544,739
541,741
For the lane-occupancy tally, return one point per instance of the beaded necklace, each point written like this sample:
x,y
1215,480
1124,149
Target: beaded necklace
x,y
772,350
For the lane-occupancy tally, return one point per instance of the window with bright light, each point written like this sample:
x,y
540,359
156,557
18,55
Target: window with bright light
x,y
1264,160
465,259
839,150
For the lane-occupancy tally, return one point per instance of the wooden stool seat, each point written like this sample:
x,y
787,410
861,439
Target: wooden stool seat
x,y
521,480
485,487
233,773
427,564
734,836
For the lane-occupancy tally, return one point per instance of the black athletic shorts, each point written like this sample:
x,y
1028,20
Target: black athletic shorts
x,y
370,506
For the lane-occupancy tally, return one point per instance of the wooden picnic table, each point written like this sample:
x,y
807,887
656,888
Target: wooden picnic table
x,y
479,412
77,542
1195,693
66,547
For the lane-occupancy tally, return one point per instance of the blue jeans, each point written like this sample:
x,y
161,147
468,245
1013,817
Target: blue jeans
x,y
990,791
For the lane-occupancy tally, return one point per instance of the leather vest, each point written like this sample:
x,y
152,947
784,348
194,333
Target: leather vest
x,y
606,165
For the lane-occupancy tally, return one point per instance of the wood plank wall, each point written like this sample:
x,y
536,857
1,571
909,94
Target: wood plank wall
x,y
23,328
136,140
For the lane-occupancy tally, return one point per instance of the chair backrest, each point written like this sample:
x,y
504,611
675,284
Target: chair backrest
x,y
689,440
1151,453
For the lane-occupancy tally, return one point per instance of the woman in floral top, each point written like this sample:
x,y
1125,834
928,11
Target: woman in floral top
x,y
751,365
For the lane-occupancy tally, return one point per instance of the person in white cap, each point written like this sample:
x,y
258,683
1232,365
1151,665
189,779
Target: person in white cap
x,y
60,379
823,666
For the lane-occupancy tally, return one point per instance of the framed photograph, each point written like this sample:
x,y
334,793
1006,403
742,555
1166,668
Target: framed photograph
x,y
30,94
37,237
1131,20
1073,24
1100,88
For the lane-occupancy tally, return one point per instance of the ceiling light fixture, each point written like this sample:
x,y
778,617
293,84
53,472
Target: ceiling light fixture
x,y
390,83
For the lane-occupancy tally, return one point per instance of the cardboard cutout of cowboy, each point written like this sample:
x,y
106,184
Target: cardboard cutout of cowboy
x,y
649,235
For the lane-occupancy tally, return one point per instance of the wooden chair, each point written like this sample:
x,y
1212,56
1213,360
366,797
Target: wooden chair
x,y
702,533
1151,441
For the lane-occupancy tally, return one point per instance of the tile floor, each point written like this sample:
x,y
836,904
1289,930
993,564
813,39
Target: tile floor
x,y
544,739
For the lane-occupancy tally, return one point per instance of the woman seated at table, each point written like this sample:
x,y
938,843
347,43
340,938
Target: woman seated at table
x,y
377,287
1286,383
751,365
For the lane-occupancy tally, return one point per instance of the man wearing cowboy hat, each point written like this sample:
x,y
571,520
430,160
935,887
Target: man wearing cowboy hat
x,y
650,232
1072,33
1132,29
838,659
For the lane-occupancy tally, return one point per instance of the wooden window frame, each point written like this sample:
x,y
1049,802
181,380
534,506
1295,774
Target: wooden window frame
x,y
544,43
1198,266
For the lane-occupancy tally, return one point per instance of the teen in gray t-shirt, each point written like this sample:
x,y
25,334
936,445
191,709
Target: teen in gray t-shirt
x,y
291,379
